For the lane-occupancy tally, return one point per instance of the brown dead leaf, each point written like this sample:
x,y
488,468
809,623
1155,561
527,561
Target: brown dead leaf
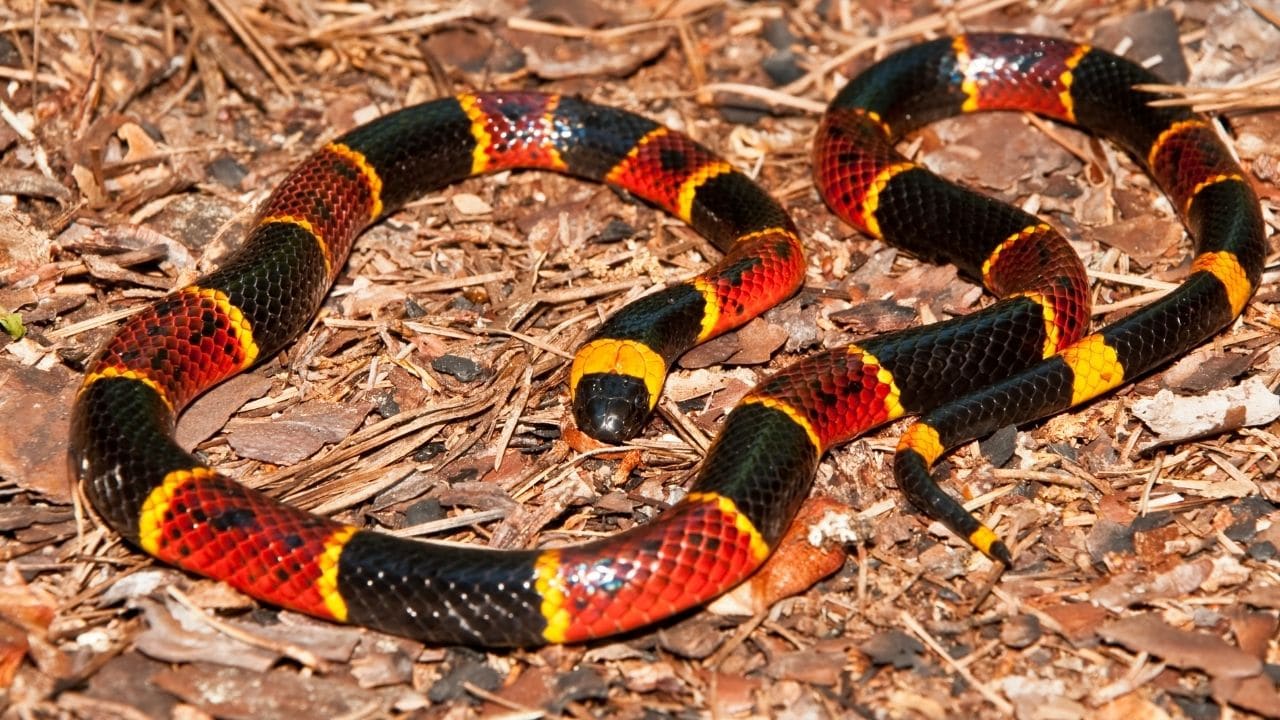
x,y
873,317
1206,369
577,13
385,661
585,58
695,638
128,676
1146,238
1263,596
212,410
1255,694
534,688
646,676
25,607
238,694
1254,631
1181,648
1148,35
1152,546
23,243
174,634
1117,508
298,433
701,382
808,666
998,151
1077,621
36,405
752,344
1131,706
13,648
757,341
714,352
811,549
731,695
472,51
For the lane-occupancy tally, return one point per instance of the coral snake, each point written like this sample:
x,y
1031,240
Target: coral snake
x,y
1022,358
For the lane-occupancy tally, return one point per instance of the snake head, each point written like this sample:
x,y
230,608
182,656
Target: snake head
x,y
610,407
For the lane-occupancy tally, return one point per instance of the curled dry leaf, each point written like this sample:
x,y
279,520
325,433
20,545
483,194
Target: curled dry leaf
x,y
16,181
1127,589
1175,418
175,635
587,59
811,549
23,610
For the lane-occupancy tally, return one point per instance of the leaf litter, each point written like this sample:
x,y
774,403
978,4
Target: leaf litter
x,y
1148,580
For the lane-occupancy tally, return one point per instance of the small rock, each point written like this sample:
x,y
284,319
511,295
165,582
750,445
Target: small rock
x,y
227,171
1262,551
893,647
998,449
413,310
469,204
613,232
583,683
1020,631
464,670
1108,537
694,639
1195,708
384,402
424,511
777,32
464,369
782,67
742,111
428,451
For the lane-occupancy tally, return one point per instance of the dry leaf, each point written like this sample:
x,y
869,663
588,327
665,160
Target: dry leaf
x,y
1210,653
1175,418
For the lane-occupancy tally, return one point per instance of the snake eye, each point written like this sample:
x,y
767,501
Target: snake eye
x,y
611,408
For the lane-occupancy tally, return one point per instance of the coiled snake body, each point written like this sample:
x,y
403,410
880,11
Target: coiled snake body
x,y
1022,358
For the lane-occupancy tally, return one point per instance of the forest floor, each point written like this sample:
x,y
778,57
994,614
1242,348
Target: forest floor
x,y
137,140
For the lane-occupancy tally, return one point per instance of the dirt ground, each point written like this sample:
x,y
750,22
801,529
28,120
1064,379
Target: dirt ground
x,y
138,138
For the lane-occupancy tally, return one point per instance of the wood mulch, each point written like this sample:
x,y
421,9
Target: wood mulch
x,y
429,399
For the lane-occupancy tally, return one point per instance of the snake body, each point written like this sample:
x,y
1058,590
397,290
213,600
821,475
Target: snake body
x,y
1023,357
